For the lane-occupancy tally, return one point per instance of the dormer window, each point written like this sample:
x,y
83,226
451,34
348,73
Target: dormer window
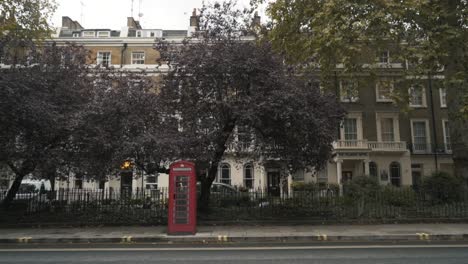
x,y
103,34
89,34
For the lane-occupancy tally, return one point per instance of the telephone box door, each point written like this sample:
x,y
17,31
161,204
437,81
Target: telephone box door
x,y
182,198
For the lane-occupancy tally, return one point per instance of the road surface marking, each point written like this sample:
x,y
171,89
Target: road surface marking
x,y
322,237
423,236
126,239
223,238
231,248
24,239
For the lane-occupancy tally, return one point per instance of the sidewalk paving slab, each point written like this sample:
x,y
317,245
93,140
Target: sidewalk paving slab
x,y
211,234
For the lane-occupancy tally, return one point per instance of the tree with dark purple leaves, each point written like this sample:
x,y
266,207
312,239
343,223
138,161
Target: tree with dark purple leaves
x,y
222,78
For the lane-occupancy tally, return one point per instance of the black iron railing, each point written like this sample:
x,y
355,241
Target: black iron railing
x,y
113,206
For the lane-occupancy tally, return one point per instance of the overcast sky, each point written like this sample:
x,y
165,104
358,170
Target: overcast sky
x,y
157,14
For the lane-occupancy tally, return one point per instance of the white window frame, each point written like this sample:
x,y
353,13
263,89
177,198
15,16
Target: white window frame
x,y
348,99
442,93
396,125
93,35
76,35
139,34
447,145
252,175
358,117
220,173
387,57
110,57
382,133
107,34
344,129
428,136
138,52
377,90
423,95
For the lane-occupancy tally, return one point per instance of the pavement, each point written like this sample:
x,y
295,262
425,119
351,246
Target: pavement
x,y
239,234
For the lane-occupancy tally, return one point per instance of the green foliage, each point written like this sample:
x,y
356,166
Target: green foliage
x,y
23,22
303,186
314,187
361,187
443,187
318,35
398,196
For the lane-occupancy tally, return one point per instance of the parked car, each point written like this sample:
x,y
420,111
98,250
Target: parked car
x,y
223,189
32,188
218,188
33,193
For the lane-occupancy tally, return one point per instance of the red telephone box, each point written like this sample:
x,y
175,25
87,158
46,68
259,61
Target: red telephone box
x,y
182,218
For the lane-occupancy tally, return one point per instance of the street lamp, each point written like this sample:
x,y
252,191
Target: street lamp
x,y
126,165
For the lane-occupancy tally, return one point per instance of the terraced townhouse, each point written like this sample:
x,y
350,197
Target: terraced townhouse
x,y
377,138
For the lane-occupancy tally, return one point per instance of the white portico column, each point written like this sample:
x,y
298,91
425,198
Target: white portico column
x,y
339,175
366,167
290,180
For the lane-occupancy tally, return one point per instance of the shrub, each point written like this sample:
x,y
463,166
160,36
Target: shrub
x,y
302,186
361,187
398,196
312,186
443,187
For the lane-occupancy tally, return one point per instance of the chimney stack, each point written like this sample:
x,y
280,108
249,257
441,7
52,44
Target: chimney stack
x,y
256,20
71,24
132,23
194,19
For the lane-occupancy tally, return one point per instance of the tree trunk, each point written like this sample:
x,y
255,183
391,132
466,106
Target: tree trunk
x,y
206,181
12,191
204,200
27,167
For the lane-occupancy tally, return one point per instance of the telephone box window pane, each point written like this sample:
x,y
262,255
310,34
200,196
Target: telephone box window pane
x,y
181,203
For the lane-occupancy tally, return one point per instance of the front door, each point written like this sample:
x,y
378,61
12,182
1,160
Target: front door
x,y
273,178
126,180
347,176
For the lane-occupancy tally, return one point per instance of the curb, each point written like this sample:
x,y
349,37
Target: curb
x,y
419,237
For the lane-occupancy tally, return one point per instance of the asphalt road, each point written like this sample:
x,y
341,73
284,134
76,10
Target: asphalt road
x,y
362,254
